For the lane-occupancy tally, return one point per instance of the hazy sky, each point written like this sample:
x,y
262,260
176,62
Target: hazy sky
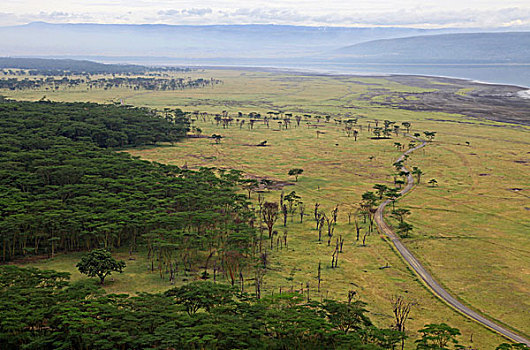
x,y
409,13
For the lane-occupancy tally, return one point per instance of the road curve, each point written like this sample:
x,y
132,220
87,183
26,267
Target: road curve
x,y
425,275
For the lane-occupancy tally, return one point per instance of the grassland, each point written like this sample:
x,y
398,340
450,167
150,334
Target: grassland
x,y
471,231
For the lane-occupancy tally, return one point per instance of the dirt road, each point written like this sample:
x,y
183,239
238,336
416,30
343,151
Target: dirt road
x,y
425,275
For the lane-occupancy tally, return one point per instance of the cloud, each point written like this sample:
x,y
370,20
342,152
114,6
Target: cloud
x,y
409,17
198,12
268,15
138,11
7,18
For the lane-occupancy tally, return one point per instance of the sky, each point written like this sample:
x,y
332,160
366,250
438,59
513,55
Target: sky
x,y
354,13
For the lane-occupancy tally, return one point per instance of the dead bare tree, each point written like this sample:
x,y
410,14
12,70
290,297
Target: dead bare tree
x,y
335,258
331,228
316,211
401,309
350,213
334,214
357,229
270,215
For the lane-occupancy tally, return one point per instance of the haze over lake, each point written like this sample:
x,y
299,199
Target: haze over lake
x,y
496,56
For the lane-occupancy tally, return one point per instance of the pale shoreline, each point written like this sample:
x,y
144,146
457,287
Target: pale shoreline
x,y
322,72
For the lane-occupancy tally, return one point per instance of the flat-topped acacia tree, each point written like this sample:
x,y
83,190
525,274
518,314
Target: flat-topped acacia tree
x,y
296,172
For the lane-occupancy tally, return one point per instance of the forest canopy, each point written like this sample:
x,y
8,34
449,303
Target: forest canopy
x,y
63,186
43,310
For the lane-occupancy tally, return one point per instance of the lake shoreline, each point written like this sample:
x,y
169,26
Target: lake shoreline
x,y
327,73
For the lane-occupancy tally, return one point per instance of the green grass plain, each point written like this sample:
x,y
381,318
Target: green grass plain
x,y
471,231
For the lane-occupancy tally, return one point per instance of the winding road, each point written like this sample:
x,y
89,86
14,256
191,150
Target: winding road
x,y
425,275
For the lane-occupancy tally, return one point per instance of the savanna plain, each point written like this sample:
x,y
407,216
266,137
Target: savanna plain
x,y
470,228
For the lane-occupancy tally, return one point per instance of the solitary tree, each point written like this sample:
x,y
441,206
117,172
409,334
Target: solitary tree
x,y
100,263
296,172
433,182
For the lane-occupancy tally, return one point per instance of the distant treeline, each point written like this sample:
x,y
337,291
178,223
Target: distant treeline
x,y
63,187
135,83
53,67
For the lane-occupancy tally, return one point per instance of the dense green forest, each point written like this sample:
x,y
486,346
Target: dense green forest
x,y
64,188
42,310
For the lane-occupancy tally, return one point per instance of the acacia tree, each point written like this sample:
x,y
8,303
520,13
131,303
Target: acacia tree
x,y
404,229
407,126
400,213
416,171
381,189
250,185
100,263
429,134
369,199
293,201
296,172
437,336
201,295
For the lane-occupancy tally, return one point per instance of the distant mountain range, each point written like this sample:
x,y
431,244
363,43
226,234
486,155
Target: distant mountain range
x,y
179,41
497,56
509,47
